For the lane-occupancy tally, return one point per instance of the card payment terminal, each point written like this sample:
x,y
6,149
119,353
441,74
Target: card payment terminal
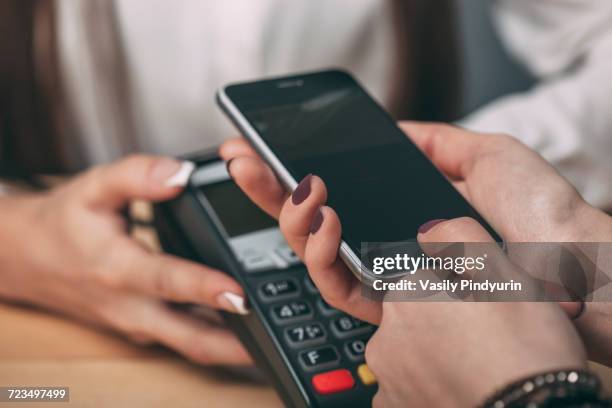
x,y
313,353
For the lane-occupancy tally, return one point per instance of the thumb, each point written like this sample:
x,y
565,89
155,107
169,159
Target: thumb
x,y
462,229
464,239
144,177
466,229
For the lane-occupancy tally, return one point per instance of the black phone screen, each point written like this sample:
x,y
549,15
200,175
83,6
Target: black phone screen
x,y
380,184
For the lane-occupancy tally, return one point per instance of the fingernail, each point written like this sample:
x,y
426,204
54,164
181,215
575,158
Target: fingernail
x,y
316,222
581,309
232,303
175,173
227,166
429,225
578,302
302,191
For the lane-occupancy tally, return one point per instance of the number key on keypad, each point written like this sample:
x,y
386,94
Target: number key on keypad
x,y
345,326
305,334
291,311
355,349
278,289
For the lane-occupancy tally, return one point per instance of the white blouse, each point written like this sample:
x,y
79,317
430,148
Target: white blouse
x,y
179,52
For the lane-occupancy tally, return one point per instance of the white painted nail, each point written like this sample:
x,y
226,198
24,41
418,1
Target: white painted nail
x,y
181,177
234,302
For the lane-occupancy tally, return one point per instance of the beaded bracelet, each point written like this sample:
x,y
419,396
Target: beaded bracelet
x,y
548,389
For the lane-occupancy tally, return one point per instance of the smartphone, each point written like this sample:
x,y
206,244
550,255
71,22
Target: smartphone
x,y
379,183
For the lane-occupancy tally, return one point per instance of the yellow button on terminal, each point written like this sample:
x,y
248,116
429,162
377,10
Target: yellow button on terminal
x,y
366,375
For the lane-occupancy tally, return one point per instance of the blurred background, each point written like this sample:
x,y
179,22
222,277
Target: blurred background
x,y
488,70
95,118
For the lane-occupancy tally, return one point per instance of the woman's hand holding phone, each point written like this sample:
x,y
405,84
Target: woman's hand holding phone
x,y
471,331
496,174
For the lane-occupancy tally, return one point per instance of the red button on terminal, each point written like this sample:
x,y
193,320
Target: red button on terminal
x,y
333,381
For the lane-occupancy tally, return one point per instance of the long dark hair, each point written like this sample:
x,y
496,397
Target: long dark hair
x,y
429,86
28,142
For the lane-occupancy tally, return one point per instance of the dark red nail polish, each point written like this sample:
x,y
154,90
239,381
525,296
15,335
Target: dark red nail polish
x,y
429,225
302,191
227,166
316,222
578,300
581,308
